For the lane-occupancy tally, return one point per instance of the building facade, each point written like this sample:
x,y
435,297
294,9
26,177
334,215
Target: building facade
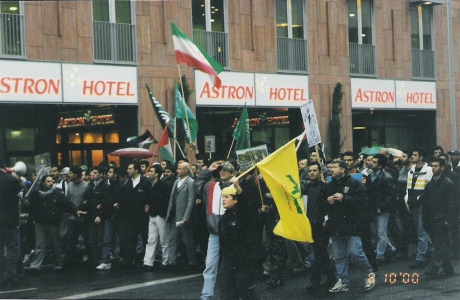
x,y
73,74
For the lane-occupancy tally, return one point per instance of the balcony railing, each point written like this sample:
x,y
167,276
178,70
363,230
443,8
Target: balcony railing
x,y
114,42
362,60
12,42
423,64
215,44
292,55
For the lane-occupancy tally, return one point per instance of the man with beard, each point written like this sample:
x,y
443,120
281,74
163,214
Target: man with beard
x,y
46,208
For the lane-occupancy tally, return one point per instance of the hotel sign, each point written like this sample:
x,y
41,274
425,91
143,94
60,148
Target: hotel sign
x,y
44,82
254,89
392,94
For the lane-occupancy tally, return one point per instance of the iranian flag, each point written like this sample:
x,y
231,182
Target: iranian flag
x,y
164,146
192,55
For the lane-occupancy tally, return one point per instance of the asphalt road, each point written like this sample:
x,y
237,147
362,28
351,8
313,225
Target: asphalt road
x,y
80,283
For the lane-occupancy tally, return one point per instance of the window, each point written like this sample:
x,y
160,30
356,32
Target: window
x,y
114,31
12,41
210,28
20,139
360,35
290,32
421,38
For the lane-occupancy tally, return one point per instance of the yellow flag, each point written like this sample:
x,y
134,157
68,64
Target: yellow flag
x,y
280,172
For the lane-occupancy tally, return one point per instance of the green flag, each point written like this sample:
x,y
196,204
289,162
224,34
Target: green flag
x,y
241,133
181,108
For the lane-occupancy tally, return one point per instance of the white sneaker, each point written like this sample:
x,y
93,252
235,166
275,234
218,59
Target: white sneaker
x,y
369,282
104,266
339,287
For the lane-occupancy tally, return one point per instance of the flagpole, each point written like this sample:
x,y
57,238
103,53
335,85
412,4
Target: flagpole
x,y
231,146
182,152
260,190
300,141
175,126
185,108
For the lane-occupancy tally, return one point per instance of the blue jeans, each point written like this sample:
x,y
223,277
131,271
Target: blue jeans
x,y
379,231
345,246
212,263
107,241
9,238
424,241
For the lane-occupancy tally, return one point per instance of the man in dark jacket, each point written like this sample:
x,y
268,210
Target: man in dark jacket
x,y
9,225
94,199
46,208
133,218
381,193
316,213
157,207
346,199
438,214
116,194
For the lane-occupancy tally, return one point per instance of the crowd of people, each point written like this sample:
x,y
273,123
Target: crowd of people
x,y
366,210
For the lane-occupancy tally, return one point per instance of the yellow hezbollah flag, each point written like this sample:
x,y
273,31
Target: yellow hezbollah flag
x,y
280,172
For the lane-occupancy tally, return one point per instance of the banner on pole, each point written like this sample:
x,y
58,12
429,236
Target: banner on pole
x,y
311,124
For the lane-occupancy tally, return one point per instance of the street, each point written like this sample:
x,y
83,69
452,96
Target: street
x,y
80,283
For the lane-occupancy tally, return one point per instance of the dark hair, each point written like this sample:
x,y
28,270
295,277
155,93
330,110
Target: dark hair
x,y
327,162
59,168
100,170
421,152
382,160
183,160
158,169
76,170
116,170
408,152
315,163
136,166
338,157
170,166
42,181
443,156
350,153
436,148
441,161
342,164
145,163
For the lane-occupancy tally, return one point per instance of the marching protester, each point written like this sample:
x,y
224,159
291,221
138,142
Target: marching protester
x,y
438,214
46,208
346,208
9,221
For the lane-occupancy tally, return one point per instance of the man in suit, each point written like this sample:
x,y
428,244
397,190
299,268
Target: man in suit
x,y
180,216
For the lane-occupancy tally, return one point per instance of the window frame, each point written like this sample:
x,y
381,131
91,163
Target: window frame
x,y
359,19
420,9
112,20
22,35
289,18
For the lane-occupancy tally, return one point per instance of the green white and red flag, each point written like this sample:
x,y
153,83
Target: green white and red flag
x,y
191,54
164,146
